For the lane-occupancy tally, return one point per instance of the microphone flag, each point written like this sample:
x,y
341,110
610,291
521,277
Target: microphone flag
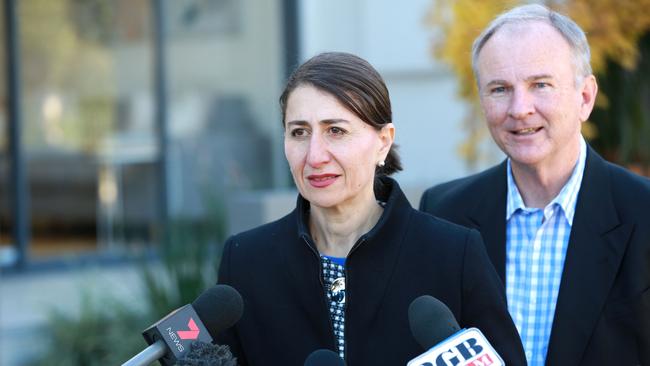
x,y
178,330
467,347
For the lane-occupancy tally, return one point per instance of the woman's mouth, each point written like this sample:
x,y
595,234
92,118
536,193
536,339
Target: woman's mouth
x,y
321,180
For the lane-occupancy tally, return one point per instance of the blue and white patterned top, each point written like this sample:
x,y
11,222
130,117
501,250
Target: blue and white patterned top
x,y
334,280
536,244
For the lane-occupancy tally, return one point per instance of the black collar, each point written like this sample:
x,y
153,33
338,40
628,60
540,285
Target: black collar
x,y
386,190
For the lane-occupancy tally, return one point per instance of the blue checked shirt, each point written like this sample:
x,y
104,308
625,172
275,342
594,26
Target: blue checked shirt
x,y
536,244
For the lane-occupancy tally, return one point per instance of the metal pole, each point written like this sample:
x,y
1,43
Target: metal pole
x,y
18,183
149,355
291,43
160,82
291,34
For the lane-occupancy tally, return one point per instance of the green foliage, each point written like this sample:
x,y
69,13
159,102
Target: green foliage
x,y
106,331
102,333
189,257
623,124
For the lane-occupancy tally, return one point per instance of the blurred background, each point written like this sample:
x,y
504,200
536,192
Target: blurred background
x,y
136,135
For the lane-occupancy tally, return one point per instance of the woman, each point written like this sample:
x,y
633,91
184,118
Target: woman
x,y
340,271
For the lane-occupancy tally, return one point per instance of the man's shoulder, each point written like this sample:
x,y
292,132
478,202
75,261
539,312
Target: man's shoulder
x,y
462,191
629,188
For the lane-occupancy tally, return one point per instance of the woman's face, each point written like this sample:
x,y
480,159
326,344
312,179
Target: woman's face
x,y
332,153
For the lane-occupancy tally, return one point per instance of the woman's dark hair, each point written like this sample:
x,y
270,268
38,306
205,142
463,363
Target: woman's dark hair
x,y
356,85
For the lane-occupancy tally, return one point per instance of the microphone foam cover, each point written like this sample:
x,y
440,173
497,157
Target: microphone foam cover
x,y
219,308
324,357
431,321
203,354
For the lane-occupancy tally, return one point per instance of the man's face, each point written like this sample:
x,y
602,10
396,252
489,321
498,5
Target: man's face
x,y
529,95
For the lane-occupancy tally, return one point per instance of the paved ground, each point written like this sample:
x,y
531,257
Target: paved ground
x,y
25,300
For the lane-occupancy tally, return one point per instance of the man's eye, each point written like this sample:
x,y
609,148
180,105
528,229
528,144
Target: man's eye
x,y
541,85
498,90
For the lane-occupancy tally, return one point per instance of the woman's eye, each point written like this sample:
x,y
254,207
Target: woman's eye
x,y
336,130
298,132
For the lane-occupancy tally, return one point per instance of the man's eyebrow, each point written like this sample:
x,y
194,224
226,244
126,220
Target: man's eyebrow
x,y
497,82
538,77
528,79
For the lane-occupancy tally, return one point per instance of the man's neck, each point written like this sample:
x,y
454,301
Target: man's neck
x,y
540,184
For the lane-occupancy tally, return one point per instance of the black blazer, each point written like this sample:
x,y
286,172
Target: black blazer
x,y
602,315
276,268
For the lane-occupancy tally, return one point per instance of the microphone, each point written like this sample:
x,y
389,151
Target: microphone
x,y
169,339
435,328
324,357
208,354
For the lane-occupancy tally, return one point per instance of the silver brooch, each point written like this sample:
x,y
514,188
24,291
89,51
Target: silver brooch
x,y
338,290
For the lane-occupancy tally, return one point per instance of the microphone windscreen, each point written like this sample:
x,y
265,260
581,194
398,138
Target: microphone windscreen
x,y
324,357
204,354
431,321
219,308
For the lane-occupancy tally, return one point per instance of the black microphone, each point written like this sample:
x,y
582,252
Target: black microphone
x,y
208,354
324,357
169,339
431,321
435,328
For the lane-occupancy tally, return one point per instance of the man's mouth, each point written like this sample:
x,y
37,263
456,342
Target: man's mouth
x,y
526,131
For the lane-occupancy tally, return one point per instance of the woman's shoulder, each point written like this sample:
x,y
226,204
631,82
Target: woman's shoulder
x,y
266,234
436,225
432,234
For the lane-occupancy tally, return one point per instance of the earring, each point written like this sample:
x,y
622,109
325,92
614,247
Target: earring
x,y
381,164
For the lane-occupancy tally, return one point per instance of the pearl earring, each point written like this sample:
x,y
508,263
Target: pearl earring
x,y
381,164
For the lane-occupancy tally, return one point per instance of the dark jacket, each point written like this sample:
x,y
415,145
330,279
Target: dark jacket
x,y
602,315
276,268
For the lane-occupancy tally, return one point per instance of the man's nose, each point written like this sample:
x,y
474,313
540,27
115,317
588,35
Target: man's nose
x,y
521,104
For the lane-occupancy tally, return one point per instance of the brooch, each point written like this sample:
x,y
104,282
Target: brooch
x,y
338,290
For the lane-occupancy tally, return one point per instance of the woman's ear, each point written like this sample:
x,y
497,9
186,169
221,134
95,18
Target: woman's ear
x,y
387,137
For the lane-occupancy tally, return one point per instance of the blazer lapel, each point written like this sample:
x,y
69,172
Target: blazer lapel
x,y
302,263
370,266
596,246
489,215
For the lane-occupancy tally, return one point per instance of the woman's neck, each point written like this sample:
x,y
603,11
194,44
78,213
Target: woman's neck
x,y
336,230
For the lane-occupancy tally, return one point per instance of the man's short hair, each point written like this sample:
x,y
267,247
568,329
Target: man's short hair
x,y
571,32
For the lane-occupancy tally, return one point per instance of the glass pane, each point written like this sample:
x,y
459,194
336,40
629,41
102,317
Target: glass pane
x,y
225,75
88,130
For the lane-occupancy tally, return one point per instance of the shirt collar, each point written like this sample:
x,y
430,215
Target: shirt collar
x,y
566,199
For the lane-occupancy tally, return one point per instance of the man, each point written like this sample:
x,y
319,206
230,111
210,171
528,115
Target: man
x,y
568,232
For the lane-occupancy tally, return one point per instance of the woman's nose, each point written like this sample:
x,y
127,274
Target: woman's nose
x,y
318,153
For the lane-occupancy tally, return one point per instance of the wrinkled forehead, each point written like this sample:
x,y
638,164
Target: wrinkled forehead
x,y
519,50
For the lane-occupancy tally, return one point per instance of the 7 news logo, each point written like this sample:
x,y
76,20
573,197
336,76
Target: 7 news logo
x,y
191,334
